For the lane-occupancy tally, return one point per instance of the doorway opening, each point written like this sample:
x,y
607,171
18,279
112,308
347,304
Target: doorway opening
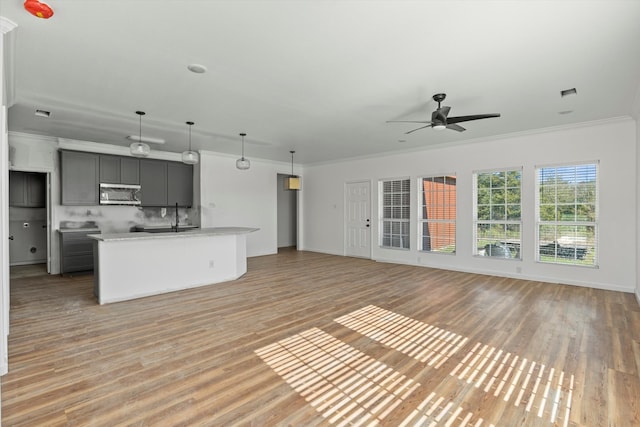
x,y
287,216
28,223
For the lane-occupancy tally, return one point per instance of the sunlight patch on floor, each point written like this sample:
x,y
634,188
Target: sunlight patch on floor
x,y
526,383
349,387
419,340
342,383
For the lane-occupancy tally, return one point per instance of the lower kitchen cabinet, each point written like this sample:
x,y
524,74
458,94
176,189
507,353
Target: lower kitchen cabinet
x,y
76,250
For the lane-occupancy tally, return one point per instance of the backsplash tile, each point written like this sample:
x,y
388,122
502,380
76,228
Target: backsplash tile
x,y
121,219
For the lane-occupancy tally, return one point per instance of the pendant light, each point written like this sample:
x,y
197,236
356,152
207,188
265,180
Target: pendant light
x,y
190,157
292,182
242,163
139,148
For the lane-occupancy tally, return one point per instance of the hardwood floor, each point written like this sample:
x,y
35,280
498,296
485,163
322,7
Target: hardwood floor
x,y
312,339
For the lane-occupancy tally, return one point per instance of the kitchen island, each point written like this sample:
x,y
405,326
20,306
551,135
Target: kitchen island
x,y
139,264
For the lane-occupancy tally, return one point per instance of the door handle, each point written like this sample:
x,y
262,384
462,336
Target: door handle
x,y
10,237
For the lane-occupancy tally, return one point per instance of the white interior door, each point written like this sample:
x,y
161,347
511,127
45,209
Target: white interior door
x,y
358,219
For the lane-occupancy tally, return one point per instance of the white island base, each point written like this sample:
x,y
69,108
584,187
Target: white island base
x,y
135,265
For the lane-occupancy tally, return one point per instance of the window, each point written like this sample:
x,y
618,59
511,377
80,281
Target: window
x,y
498,213
438,214
396,201
567,214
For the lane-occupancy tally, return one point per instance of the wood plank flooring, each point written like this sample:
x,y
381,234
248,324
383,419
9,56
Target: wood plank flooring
x,y
312,339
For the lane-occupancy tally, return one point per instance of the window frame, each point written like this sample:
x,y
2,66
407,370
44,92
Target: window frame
x,y
506,223
422,207
563,223
404,238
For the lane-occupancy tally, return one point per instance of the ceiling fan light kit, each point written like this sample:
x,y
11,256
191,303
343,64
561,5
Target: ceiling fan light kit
x,y
292,182
139,149
440,118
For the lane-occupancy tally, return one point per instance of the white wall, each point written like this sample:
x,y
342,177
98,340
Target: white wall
x,y
231,197
612,143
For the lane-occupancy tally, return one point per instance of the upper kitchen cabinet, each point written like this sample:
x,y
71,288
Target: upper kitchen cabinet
x,y
179,184
166,183
153,182
119,170
27,189
79,174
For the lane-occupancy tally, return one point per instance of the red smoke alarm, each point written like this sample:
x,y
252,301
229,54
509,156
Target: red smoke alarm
x,y
41,10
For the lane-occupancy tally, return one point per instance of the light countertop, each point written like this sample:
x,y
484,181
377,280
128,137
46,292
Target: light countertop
x,y
79,230
198,232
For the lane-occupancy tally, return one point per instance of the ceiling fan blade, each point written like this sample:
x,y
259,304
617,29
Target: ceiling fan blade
x,y
444,111
455,127
469,118
407,121
427,126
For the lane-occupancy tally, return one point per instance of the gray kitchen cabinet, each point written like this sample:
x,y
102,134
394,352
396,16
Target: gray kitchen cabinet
x,y
79,176
119,170
129,170
76,250
153,182
179,184
27,189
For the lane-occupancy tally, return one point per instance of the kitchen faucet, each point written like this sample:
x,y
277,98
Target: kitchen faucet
x,y
175,227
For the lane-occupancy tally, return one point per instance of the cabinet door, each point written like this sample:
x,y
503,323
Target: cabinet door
x,y
79,178
153,182
17,188
179,184
36,190
129,170
109,169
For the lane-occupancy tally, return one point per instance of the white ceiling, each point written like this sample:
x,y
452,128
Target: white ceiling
x,y
319,77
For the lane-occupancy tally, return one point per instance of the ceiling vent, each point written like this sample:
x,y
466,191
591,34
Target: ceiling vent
x,y
568,92
43,113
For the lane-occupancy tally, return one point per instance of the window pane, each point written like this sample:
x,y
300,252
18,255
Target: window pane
x,y
567,214
498,213
395,210
438,227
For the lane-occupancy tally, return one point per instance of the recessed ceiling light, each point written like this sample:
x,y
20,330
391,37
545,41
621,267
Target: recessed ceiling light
x,y
43,113
568,92
197,68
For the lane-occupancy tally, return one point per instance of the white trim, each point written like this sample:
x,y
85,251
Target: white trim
x,y
535,278
7,28
493,138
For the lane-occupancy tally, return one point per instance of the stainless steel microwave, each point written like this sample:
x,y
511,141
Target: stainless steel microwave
x,y
119,194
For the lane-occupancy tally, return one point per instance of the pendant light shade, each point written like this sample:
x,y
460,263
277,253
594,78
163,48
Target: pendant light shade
x,y
292,182
190,157
242,163
139,148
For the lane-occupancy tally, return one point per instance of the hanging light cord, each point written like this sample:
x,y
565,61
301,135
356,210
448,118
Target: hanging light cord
x,y
140,114
190,124
243,135
292,162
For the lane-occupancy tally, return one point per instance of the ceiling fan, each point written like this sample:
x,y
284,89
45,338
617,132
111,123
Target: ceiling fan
x,y
439,119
